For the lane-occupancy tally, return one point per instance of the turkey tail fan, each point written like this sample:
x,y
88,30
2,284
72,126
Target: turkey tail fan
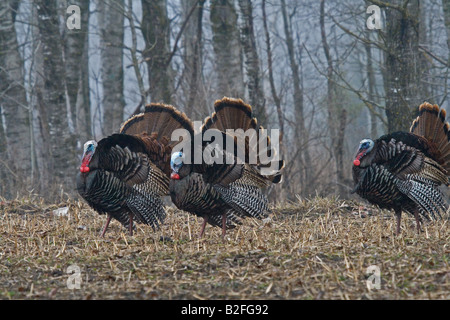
x,y
431,125
134,125
235,114
158,119
230,113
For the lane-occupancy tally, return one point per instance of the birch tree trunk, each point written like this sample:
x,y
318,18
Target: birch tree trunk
x,y
255,91
14,107
227,49
111,20
5,186
156,31
62,157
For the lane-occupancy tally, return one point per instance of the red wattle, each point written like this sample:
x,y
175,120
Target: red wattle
x,y
84,169
356,162
174,176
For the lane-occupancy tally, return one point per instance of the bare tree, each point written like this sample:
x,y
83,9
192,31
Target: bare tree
x,y
192,56
404,70
53,100
156,30
227,49
300,131
134,55
14,113
371,88
254,82
446,7
111,19
77,72
337,115
275,96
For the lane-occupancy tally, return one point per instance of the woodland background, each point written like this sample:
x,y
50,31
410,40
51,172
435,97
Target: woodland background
x,y
310,68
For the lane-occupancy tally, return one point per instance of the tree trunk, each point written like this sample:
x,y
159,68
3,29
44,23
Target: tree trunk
x,y
227,49
40,127
446,7
111,19
5,186
83,122
337,116
255,92
301,132
275,96
277,194
193,47
13,102
156,31
404,70
77,73
371,88
52,98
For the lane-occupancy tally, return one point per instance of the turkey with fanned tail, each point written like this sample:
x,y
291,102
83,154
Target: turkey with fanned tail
x,y
224,192
402,171
126,174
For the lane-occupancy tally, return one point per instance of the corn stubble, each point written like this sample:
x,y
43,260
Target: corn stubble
x,y
318,248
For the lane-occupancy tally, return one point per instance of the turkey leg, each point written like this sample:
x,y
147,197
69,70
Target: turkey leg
x,y
106,226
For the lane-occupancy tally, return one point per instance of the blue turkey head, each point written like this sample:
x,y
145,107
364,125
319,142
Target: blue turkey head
x,y
365,146
176,162
88,152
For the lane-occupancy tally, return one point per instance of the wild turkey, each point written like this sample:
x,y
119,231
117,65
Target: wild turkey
x,y
401,171
224,193
125,174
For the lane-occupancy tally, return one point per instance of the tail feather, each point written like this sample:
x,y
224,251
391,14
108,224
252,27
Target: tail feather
x,y
246,200
134,125
157,119
234,114
443,143
230,113
439,138
431,125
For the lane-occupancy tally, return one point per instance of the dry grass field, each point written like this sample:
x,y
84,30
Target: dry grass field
x,y
313,249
